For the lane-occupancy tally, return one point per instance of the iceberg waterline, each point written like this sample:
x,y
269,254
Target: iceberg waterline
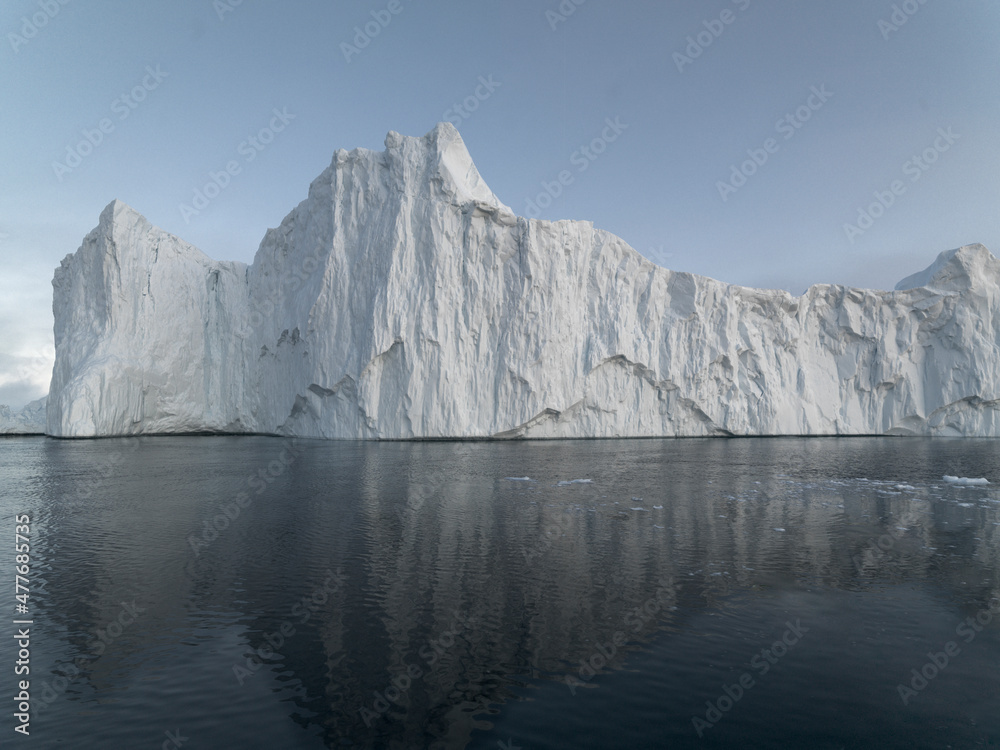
x,y
401,299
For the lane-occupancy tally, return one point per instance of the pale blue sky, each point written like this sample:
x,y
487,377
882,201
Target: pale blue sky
x,y
887,93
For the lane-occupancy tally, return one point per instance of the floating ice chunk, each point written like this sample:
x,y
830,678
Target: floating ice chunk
x,y
964,481
905,487
657,507
642,509
520,479
778,529
565,482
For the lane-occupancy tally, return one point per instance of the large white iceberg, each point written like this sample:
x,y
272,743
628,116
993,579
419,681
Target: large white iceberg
x,y
402,299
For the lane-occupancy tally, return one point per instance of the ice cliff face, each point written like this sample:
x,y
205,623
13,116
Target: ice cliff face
x,y
28,421
402,299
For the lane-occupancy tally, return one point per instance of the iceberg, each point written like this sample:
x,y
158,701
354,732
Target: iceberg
x,y
29,420
965,481
403,300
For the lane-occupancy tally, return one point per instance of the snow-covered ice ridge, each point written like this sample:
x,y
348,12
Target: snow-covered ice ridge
x,y
402,299
29,420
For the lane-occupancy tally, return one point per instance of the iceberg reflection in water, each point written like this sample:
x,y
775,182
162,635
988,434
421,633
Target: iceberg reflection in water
x,y
693,593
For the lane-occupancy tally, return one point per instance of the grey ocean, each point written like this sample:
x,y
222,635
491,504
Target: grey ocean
x,y
263,593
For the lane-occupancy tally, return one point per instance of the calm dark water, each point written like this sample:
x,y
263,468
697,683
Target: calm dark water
x,y
774,593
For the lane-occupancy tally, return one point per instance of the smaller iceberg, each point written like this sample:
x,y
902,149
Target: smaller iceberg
x,y
964,481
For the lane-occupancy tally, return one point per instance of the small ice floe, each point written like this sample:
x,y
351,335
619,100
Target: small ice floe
x,y
904,487
965,505
636,499
964,481
642,509
776,528
565,482
657,527
519,479
657,507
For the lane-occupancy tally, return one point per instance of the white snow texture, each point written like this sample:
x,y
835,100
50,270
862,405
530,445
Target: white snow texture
x,y
402,299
